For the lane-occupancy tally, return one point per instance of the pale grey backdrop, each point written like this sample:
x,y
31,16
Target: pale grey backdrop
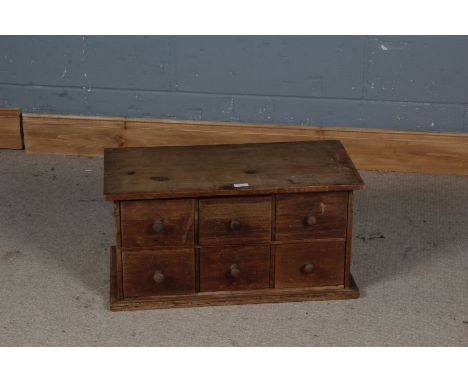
x,y
409,83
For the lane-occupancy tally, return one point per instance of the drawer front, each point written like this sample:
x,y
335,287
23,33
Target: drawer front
x,y
234,268
235,220
309,265
156,223
311,216
159,272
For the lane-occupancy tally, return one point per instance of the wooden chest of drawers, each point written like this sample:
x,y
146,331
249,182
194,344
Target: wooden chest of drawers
x,y
230,224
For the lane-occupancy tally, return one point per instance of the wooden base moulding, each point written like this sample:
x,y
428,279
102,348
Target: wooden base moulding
x,y
119,303
370,149
10,129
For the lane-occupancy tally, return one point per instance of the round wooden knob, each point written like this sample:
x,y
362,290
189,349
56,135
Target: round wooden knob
x,y
158,276
235,224
308,268
311,219
158,225
234,271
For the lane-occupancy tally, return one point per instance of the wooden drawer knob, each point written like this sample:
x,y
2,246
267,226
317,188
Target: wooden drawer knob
x,y
308,268
311,219
158,225
234,271
234,224
158,276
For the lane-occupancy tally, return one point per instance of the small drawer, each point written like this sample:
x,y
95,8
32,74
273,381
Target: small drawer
x,y
234,268
160,272
309,265
156,223
311,216
235,220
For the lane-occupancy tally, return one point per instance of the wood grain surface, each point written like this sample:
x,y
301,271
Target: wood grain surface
x,y
370,149
349,240
234,268
192,235
216,170
71,135
10,129
118,248
174,220
175,267
227,297
235,220
325,259
311,215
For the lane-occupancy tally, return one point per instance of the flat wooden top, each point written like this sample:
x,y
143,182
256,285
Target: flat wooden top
x,y
216,170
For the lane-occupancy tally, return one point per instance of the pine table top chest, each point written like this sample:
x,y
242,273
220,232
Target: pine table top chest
x,y
230,224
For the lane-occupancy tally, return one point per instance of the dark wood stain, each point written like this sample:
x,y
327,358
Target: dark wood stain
x,y
176,265
217,216
217,225
253,264
326,258
258,296
349,239
327,212
138,218
282,168
118,250
160,178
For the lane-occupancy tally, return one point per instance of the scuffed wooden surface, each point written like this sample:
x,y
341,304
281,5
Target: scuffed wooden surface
x,y
161,172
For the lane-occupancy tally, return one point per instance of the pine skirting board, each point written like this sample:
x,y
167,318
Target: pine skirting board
x,y
10,129
370,149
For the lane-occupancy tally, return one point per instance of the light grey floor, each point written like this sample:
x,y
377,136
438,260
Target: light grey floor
x,y
410,261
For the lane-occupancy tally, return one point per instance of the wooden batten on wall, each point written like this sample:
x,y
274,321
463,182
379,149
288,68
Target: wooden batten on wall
x,y
370,149
10,129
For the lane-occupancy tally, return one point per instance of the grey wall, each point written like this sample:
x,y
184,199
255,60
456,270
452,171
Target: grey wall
x,y
408,83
